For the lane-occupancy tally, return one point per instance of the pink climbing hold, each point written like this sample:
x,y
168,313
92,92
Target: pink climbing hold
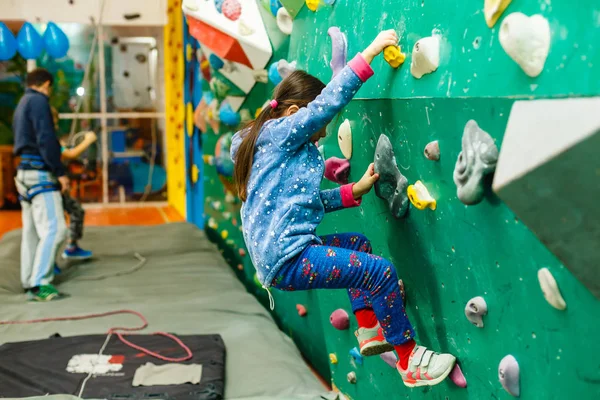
x,y
337,170
457,377
242,252
301,310
389,358
339,319
232,9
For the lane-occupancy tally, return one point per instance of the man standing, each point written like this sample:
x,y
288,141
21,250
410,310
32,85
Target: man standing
x,y
40,180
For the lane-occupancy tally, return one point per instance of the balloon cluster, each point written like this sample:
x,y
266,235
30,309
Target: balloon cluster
x,y
30,44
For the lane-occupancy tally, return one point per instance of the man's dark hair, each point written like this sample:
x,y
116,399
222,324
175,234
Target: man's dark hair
x,y
38,77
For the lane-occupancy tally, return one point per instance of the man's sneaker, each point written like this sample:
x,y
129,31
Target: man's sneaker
x,y
45,293
372,342
76,253
426,368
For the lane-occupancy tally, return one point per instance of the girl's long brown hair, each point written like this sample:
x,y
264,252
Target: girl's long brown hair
x,y
297,89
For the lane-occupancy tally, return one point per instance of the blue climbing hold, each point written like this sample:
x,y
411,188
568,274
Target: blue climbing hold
x,y
215,62
57,43
355,353
274,75
8,43
275,6
219,5
228,116
29,42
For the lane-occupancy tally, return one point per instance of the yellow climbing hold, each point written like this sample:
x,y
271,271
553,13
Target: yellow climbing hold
x,y
212,224
195,173
394,56
189,52
258,111
189,119
493,9
419,196
312,4
224,234
333,358
208,159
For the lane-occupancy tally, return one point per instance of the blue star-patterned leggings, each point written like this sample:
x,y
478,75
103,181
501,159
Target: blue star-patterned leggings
x,y
344,261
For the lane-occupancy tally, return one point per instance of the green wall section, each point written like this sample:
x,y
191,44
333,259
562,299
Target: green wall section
x,y
454,253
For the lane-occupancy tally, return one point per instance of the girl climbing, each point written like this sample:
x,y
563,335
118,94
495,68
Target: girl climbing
x,y
278,171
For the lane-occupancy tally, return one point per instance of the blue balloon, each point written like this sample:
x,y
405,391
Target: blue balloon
x,y
8,43
57,43
215,62
29,42
275,6
228,116
274,76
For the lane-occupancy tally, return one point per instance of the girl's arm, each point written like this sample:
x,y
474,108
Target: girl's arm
x,y
292,132
75,152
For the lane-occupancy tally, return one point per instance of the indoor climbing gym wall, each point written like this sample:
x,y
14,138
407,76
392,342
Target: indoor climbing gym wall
x,y
485,130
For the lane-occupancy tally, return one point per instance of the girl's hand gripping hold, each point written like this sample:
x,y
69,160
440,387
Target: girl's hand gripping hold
x,y
383,40
364,185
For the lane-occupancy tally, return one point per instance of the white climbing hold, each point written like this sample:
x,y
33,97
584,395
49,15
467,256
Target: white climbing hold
x,y
351,377
475,309
526,40
261,75
550,289
345,139
284,21
509,375
244,29
425,56
285,68
190,5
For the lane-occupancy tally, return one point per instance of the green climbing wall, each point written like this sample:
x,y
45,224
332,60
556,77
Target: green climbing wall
x,y
454,253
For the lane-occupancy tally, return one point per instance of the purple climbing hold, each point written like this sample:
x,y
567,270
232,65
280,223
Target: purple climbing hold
x,y
391,185
458,377
389,358
337,170
509,375
339,49
355,353
339,319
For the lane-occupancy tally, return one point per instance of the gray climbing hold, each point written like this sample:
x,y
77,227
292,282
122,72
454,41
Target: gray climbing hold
x,y
391,185
550,289
285,68
508,373
351,377
475,309
478,158
432,151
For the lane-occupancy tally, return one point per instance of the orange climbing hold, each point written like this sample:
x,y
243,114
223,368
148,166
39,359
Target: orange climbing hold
x,y
301,310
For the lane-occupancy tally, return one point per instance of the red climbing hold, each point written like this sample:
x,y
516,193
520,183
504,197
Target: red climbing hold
x,y
457,377
232,9
242,252
339,319
301,310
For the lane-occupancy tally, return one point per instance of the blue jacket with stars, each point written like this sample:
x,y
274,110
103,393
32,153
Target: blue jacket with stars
x,y
284,202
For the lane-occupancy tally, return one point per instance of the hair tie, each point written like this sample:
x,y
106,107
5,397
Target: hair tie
x,y
274,103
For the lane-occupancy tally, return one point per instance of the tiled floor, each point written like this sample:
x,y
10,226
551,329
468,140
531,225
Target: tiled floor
x,y
99,216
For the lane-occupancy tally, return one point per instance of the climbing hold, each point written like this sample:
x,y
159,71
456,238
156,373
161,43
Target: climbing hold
x,y
301,310
227,215
195,173
228,116
232,9
219,88
208,159
457,376
224,234
275,5
284,68
493,9
230,242
284,21
274,76
527,41
339,319
190,5
339,49
257,112
242,252
219,5
216,205
432,151
351,375
189,119
425,56
355,353
478,158
509,374
345,139
260,75
475,309
394,56
189,52
391,185
312,4
212,224
229,198
245,116
550,289
337,170
389,358
333,358
240,267
244,29
419,196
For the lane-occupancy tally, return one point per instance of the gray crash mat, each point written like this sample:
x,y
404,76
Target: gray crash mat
x,y
185,287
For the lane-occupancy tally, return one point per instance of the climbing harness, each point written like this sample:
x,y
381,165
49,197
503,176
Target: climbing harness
x,y
33,162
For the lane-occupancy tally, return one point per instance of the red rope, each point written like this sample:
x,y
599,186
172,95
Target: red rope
x,y
115,329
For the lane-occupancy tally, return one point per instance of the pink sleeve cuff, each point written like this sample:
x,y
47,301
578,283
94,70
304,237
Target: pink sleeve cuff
x,y
361,68
348,197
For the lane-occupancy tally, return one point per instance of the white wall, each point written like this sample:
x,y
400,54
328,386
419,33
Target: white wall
x,y
152,12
